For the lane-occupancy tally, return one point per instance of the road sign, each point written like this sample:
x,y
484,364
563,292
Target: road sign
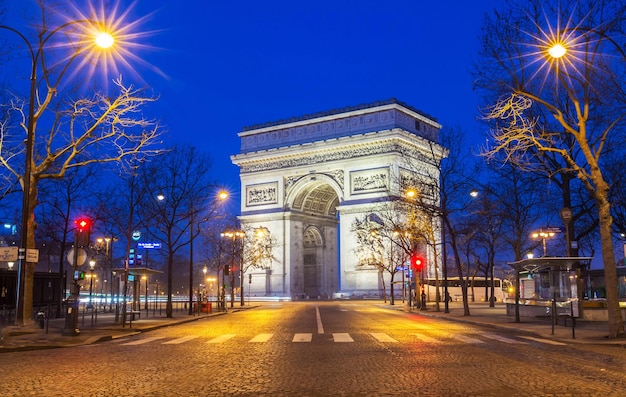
x,y
552,229
149,246
82,257
8,254
32,255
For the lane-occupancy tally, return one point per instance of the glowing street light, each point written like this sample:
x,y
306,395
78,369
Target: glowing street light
x,y
557,50
36,56
104,40
543,235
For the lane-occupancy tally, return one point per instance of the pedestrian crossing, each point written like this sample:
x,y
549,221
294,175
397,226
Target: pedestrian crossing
x,y
345,337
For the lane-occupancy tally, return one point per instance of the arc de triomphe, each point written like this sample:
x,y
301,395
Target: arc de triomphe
x,y
307,179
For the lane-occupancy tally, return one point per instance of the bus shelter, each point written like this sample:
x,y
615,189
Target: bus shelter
x,y
136,276
548,287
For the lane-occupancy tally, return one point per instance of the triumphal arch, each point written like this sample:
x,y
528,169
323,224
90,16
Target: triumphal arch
x,y
307,179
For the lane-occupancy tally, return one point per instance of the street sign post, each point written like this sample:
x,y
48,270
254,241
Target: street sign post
x,y
9,254
149,246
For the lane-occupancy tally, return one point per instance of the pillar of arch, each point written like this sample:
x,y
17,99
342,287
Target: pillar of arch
x,y
307,179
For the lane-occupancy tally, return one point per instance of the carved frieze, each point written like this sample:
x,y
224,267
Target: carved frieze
x,y
350,152
369,181
260,194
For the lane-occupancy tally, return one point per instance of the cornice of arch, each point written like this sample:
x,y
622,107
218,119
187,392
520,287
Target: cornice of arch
x,y
372,143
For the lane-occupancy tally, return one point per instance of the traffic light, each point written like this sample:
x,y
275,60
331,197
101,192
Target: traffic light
x,y
226,270
83,228
417,262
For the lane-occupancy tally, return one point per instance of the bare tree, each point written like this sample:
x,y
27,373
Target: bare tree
x,y
581,88
64,130
187,197
258,252
456,171
386,238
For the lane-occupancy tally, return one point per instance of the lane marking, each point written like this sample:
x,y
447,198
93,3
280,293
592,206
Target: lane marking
x,y
261,338
467,339
142,341
221,338
427,339
302,337
548,341
382,337
342,337
181,340
503,339
318,317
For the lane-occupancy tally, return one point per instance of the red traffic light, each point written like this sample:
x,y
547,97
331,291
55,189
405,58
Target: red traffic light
x,y
83,224
417,262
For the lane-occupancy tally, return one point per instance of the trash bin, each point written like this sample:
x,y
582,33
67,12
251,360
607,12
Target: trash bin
x,y
206,307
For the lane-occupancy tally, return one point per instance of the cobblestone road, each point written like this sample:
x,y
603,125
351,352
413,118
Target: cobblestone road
x,y
318,349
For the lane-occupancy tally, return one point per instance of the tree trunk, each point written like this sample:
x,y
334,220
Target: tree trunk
x,y
616,323
29,267
170,274
392,299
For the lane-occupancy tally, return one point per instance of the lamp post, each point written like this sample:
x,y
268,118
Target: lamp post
x,y
543,235
108,245
222,195
92,265
204,270
29,196
233,235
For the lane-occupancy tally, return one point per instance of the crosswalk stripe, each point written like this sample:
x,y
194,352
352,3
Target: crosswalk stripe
x,y
261,338
181,340
345,337
548,341
342,337
427,339
381,337
467,339
221,338
503,339
142,341
302,337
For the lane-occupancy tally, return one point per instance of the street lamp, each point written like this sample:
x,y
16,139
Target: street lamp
x,y
202,295
107,242
543,235
557,50
222,195
145,278
29,197
233,235
92,265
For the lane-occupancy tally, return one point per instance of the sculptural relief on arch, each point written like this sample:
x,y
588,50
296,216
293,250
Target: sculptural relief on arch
x,y
307,179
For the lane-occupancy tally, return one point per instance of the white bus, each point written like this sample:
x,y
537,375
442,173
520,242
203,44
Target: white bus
x,y
478,288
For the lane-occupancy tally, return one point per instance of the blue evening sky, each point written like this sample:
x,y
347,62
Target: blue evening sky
x,y
229,64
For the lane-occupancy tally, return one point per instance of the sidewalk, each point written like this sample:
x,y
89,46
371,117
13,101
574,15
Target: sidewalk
x,y
104,328
32,337
585,332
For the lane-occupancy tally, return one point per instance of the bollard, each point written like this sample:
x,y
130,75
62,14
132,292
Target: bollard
x,y
40,318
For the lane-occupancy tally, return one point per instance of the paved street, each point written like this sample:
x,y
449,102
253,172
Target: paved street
x,y
320,349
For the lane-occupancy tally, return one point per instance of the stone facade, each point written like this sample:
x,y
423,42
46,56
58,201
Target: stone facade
x,y
306,180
